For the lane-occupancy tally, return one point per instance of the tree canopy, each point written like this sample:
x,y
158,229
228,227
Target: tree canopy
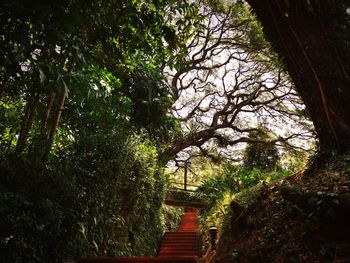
x,y
228,82
263,156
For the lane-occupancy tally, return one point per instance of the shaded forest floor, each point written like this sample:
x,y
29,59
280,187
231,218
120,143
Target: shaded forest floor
x,y
304,218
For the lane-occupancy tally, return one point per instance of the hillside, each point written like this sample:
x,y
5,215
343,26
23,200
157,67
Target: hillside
x,y
301,219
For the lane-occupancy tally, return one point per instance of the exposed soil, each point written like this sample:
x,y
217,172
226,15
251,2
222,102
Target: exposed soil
x,y
305,218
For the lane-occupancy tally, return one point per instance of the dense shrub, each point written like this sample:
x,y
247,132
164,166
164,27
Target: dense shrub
x,y
104,202
231,182
39,221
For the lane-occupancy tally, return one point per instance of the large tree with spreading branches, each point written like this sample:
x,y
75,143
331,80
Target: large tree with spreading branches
x,y
227,82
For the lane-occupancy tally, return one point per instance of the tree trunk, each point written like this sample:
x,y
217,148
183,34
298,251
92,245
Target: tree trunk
x,y
47,113
27,123
195,139
311,39
44,156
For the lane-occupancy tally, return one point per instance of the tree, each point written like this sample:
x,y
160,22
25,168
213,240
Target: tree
x,y
313,39
55,55
227,82
85,77
262,154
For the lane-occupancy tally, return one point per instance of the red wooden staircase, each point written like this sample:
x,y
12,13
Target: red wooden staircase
x,y
180,246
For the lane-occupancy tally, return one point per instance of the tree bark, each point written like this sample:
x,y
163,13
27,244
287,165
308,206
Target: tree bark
x,y
306,34
56,120
195,139
44,155
47,113
27,123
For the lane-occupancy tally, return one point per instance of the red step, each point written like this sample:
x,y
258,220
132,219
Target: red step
x,y
189,222
138,259
180,246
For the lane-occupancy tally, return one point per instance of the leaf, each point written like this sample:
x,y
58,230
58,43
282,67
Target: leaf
x,y
42,76
95,245
336,201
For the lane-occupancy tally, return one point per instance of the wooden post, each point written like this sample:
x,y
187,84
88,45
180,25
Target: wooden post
x,y
185,176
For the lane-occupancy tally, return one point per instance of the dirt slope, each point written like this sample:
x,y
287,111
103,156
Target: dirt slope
x,y
305,218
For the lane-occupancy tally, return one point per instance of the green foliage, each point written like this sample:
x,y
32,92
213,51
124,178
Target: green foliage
x,y
247,178
150,101
108,53
120,175
214,188
294,161
256,36
260,152
248,196
184,196
9,123
170,217
233,179
81,82
38,213
231,183
104,202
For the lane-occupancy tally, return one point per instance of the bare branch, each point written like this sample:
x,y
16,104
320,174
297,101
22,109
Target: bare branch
x,y
226,88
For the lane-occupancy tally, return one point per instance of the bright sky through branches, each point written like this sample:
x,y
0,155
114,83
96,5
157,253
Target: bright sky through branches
x,y
229,87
